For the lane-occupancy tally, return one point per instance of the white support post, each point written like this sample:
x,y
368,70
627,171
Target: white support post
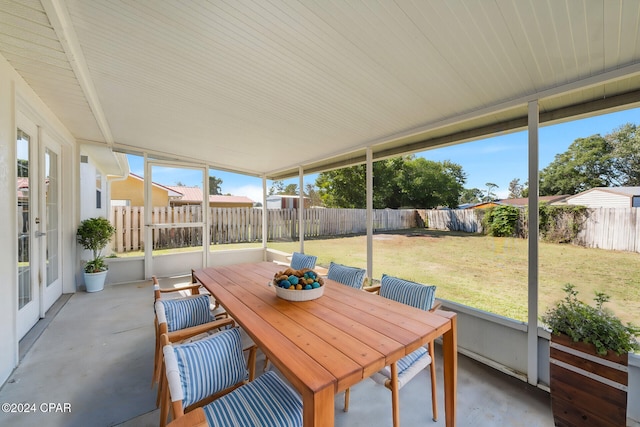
x,y
148,230
265,235
301,209
206,218
532,337
369,214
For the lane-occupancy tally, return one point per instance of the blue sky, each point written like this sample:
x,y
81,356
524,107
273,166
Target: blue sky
x,y
497,160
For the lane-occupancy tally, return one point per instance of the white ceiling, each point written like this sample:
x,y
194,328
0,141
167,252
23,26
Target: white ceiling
x,y
266,86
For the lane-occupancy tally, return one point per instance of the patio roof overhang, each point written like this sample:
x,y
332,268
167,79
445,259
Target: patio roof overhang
x,y
265,88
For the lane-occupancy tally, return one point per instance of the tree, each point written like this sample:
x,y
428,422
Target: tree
x,y
515,189
587,163
428,184
277,187
343,188
397,182
491,195
471,195
312,193
625,142
214,185
179,184
290,190
23,168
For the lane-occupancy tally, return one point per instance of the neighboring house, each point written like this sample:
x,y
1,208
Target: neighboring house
x,y
483,205
130,192
607,197
524,201
193,196
283,201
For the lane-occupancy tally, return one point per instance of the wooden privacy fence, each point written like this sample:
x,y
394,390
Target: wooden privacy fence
x,y
467,220
604,228
608,228
239,225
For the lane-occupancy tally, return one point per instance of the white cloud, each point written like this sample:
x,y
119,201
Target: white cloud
x,y
254,192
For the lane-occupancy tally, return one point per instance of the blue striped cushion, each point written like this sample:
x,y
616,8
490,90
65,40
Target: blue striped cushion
x,y
406,362
210,365
407,292
299,261
267,401
350,276
188,312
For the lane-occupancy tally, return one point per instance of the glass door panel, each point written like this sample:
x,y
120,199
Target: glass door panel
x,y
27,218
25,294
50,229
51,198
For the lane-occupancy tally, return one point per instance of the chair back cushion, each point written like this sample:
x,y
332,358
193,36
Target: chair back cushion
x,y
185,312
407,292
299,261
266,401
408,367
210,365
350,276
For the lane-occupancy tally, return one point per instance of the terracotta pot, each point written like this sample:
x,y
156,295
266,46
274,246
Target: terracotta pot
x,y
587,389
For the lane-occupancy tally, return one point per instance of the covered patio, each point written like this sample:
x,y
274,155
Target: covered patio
x,y
274,90
104,372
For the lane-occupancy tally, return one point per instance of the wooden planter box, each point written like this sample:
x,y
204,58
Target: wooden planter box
x,y
587,389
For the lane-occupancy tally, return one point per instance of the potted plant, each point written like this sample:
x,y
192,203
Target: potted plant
x,y
94,234
589,356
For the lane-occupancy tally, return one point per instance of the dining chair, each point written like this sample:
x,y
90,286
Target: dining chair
x,y
395,376
182,319
195,418
350,276
300,261
212,374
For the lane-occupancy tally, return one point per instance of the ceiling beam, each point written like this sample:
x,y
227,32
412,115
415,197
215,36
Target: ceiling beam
x,y
61,23
626,100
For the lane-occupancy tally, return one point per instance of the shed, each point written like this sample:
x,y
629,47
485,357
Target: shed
x,y
607,197
283,201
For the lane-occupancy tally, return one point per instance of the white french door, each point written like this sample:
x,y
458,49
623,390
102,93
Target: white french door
x,y
50,208
38,223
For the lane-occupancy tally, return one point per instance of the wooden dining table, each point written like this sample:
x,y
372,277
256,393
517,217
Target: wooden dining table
x,y
326,345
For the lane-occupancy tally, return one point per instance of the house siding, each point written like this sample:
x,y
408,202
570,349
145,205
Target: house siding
x,y
600,199
132,189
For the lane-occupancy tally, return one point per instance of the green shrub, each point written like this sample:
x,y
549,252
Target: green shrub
x,y
501,221
594,325
94,234
560,224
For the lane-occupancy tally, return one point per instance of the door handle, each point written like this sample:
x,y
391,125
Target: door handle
x,y
40,234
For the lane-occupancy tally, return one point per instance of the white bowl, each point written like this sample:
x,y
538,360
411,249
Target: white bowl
x,y
301,295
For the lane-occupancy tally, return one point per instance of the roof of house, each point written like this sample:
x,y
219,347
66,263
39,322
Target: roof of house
x,y
524,201
172,193
624,191
23,187
194,194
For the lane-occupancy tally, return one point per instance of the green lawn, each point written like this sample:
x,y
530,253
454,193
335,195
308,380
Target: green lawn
x,y
489,273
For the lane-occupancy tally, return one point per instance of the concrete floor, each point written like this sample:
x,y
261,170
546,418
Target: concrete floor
x,y
94,358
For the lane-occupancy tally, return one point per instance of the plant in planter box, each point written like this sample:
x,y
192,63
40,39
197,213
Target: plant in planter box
x,y
94,234
589,357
